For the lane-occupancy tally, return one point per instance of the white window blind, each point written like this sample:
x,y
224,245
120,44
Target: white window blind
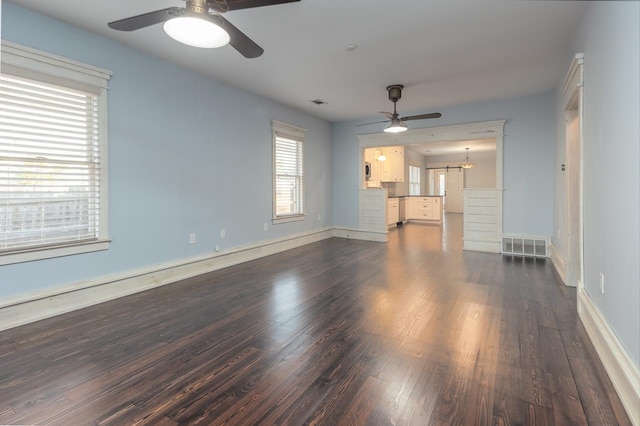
x,y
53,162
49,164
288,172
414,180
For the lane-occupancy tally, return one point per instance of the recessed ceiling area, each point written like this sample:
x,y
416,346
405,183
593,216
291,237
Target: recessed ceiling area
x,y
444,52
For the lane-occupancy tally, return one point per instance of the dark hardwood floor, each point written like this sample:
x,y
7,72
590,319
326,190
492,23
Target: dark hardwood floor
x,y
412,332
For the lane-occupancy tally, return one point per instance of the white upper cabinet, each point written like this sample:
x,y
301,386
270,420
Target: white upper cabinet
x,y
393,166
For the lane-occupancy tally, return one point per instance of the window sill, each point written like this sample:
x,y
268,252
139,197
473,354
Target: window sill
x,y
29,255
285,219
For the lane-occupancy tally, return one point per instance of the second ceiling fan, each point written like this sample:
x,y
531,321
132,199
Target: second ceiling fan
x,y
194,25
398,124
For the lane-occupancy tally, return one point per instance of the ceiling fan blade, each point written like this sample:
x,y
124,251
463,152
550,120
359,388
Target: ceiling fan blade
x,y
247,4
146,19
375,122
422,116
387,114
239,40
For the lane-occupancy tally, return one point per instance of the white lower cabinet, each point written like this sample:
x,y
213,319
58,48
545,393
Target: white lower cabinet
x,y
393,211
424,208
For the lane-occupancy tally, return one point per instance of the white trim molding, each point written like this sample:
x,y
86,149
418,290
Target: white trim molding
x,y
573,107
359,234
40,253
558,263
573,78
482,246
624,374
36,61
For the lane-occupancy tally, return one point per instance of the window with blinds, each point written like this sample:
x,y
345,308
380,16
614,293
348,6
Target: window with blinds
x,y
51,165
288,165
414,180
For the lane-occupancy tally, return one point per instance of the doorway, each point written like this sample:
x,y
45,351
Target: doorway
x,y
488,238
450,184
454,190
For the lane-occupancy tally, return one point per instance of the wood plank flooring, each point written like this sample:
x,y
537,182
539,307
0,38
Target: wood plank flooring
x,y
339,332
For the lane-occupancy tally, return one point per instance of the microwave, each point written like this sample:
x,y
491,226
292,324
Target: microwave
x,y
367,170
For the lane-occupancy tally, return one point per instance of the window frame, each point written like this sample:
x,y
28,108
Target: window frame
x,y
287,131
412,183
41,66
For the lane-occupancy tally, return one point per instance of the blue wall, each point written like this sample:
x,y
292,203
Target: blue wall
x,y
186,154
610,41
528,153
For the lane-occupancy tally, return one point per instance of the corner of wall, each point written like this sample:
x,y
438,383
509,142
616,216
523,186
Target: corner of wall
x,y
559,263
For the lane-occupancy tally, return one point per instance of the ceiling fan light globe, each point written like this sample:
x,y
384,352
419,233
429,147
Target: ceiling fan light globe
x,y
396,126
196,32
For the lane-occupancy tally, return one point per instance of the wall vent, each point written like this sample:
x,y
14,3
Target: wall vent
x,y
519,245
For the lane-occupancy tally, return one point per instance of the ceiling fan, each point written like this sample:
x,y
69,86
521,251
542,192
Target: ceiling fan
x,y
398,123
196,26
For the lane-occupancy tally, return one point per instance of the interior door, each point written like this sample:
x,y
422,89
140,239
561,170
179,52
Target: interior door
x,y
455,191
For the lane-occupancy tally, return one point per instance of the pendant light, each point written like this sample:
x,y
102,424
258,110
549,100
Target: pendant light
x,y
466,164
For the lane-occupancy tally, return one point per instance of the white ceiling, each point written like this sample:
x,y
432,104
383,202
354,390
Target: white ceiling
x,y
445,52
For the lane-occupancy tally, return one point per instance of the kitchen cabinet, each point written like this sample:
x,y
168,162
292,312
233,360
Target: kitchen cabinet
x,y
393,166
393,211
371,156
424,208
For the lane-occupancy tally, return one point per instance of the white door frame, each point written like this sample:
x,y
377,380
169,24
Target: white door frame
x,y
572,96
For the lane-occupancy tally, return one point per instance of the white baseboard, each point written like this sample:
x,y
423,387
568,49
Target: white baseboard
x,y
483,246
55,301
624,374
558,263
356,234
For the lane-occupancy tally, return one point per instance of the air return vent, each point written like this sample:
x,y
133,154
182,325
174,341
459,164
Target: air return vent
x,y
530,246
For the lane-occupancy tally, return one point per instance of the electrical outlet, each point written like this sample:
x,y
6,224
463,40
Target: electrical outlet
x,y
601,283
217,248
266,226
319,217
192,238
222,233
